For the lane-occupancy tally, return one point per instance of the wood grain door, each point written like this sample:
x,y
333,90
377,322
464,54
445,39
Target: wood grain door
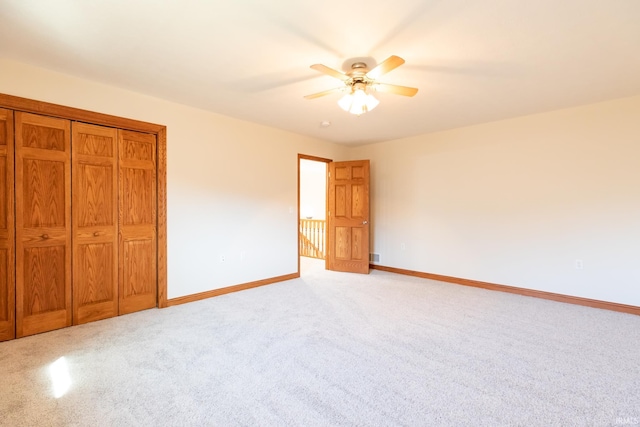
x,y
348,219
43,223
137,221
95,222
7,229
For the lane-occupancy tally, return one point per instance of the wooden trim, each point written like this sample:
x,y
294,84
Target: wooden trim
x,y
161,234
314,158
70,113
8,326
327,240
229,289
76,114
605,305
298,214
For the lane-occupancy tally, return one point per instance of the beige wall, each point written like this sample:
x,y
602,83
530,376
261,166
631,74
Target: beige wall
x,y
517,202
232,185
514,202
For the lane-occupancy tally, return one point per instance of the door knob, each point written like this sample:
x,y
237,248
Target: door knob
x,y
365,222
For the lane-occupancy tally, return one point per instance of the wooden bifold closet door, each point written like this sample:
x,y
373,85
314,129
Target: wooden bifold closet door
x,y
43,223
82,216
86,249
7,228
137,221
95,222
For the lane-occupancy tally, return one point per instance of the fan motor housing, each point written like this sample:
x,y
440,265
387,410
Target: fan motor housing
x,y
358,69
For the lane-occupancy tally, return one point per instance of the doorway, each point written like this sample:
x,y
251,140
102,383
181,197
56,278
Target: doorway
x,y
312,211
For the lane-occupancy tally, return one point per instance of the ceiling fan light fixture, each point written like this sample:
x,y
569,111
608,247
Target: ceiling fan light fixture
x,y
358,102
359,82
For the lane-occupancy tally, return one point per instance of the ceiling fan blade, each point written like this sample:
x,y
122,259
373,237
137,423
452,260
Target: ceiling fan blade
x,y
395,89
326,92
385,66
330,72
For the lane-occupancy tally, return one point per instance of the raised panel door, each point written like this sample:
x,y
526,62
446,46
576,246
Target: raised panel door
x,y
95,222
43,223
137,221
7,228
348,221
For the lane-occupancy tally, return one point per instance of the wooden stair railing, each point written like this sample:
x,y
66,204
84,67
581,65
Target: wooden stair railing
x,y
308,249
312,238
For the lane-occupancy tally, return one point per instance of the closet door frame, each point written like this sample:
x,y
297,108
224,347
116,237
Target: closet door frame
x,y
160,131
7,230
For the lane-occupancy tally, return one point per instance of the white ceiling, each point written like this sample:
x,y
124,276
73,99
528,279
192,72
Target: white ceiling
x,y
473,61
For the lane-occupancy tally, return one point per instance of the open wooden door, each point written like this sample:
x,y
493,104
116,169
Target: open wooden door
x,y
348,217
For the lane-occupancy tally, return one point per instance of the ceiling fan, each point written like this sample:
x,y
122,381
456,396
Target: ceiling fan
x,y
359,82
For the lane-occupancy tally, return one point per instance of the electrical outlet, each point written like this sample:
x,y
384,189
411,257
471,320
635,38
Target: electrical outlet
x,y
579,264
403,246
243,255
222,258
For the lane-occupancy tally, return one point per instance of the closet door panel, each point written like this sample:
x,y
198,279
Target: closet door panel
x,y
43,223
137,221
7,228
95,222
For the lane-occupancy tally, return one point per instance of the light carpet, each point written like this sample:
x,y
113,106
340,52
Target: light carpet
x,y
335,349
